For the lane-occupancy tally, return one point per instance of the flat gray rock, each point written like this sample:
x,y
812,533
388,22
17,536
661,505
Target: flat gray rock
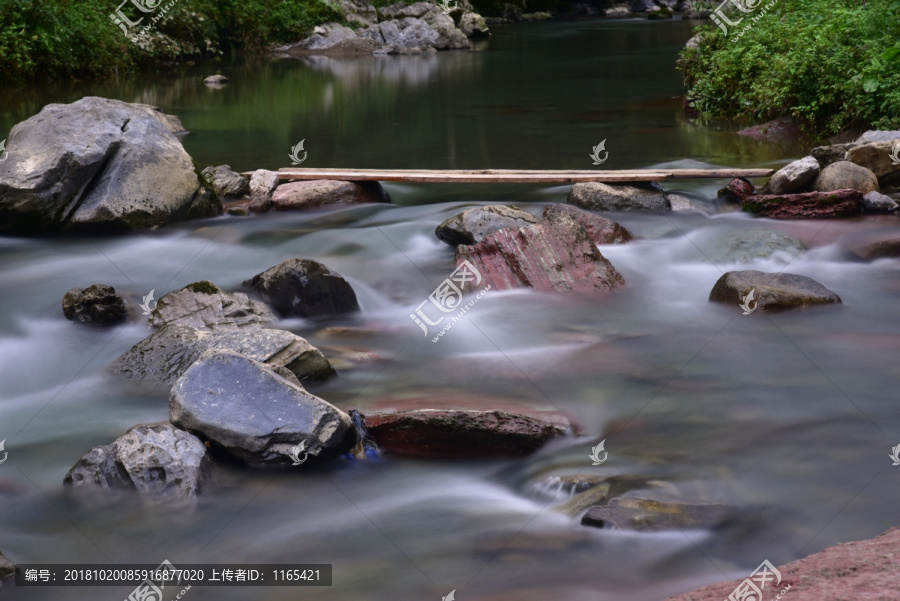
x,y
472,225
595,196
771,291
245,409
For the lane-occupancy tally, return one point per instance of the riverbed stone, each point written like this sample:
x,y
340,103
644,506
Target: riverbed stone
x,y
826,155
262,187
98,165
844,175
738,188
626,513
556,254
161,358
204,306
472,225
876,202
304,288
171,122
160,461
773,291
596,196
876,157
216,80
881,244
359,11
600,229
879,135
226,182
315,194
795,177
447,425
806,205
245,409
473,25
96,305
7,568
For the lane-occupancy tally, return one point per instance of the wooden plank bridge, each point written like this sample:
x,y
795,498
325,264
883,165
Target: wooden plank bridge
x,y
512,176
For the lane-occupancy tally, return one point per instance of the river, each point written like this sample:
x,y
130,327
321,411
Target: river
x,y
789,417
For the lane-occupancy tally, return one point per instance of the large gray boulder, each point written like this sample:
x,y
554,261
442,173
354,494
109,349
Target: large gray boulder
x,y
159,461
877,135
876,157
399,10
772,291
99,165
204,306
795,177
250,412
304,288
161,358
359,11
472,225
96,305
595,196
844,175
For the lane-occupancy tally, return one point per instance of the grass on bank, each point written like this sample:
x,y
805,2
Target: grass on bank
x,y
831,64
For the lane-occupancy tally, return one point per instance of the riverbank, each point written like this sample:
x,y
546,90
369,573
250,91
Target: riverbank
x,y
865,570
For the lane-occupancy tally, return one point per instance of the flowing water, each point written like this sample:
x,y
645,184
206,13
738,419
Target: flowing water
x,y
789,417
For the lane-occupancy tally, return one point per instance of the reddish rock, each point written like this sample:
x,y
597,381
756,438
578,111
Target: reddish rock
x,y
321,193
877,245
555,254
783,129
599,228
809,205
863,571
444,425
741,188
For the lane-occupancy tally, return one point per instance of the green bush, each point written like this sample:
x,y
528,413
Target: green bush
x,y
67,38
828,63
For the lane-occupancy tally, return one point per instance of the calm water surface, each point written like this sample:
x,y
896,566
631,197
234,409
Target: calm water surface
x,y
789,417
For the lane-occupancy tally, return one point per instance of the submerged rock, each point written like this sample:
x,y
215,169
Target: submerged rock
x,y
98,165
226,182
304,288
315,194
600,229
556,254
462,426
204,306
248,411
844,175
96,305
472,225
795,177
161,358
840,203
773,291
645,514
157,460
595,196
882,244
750,243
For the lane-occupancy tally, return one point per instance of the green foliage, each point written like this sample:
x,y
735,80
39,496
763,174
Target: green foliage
x,y
828,63
73,38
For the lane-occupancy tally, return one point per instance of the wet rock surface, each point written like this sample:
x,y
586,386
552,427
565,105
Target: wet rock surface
x,y
158,460
472,225
204,306
595,196
773,291
625,513
316,194
556,254
807,205
600,229
304,288
246,410
96,305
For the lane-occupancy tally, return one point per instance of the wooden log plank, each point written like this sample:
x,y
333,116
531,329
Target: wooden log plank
x,y
513,175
